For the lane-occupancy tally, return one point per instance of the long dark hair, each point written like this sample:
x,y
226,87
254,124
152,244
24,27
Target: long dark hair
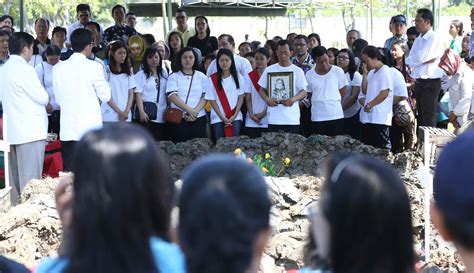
x,y
125,67
176,65
233,69
223,207
352,68
404,46
172,52
150,52
366,204
208,30
123,193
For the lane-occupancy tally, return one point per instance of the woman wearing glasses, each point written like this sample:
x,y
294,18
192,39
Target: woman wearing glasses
x,y
150,95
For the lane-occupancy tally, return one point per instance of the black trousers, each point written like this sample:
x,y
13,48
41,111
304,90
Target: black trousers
x,y
67,152
426,94
376,135
255,132
328,127
188,130
293,129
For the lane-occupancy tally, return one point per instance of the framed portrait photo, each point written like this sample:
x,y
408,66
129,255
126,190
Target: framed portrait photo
x,y
280,86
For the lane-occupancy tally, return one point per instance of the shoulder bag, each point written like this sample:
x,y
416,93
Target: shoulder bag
x,y
175,115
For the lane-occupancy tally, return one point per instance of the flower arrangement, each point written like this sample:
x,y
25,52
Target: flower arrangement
x,y
265,162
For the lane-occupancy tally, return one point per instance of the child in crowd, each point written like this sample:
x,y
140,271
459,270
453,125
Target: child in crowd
x,y
226,94
121,82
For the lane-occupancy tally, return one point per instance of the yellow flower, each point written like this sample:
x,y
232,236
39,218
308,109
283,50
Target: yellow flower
x,y
267,156
287,161
237,151
265,170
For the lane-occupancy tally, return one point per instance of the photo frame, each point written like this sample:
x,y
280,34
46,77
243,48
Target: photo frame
x,y
280,86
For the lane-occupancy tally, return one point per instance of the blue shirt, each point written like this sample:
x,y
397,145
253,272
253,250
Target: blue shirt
x,y
168,258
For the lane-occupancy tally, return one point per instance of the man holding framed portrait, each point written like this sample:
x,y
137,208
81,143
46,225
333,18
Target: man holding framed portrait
x,y
281,85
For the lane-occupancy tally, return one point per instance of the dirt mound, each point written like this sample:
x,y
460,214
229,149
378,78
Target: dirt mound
x,y
31,230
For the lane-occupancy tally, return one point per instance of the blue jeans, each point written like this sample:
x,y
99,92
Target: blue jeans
x,y
218,129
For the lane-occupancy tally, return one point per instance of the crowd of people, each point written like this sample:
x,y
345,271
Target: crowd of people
x,y
195,85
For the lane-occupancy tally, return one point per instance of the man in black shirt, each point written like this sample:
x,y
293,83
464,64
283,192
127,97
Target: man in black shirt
x,y
119,31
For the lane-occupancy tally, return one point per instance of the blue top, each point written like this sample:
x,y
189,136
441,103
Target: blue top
x,y
168,258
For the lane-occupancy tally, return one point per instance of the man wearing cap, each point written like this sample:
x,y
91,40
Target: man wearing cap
x,y
453,191
399,25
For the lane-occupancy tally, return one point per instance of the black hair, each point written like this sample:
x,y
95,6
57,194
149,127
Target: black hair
x,y
83,7
47,21
18,41
208,30
97,26
230,39
4,33
150,52
352,68
366,203
80,38
52,50
283,43
123,192
359,35
426,14
224,205
210,57
176,65
301,36
244,43
277,38
58,29
6,16
125,67
412,31
233,69
255,45
130,13
372,52
315,35
180,10
318,52
290,34
149,38
273,45
172,52
406,50
263,51
386,57
250,54
118,7
334,51
358,45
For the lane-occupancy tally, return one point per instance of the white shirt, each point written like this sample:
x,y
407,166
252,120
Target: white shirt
x,y
376,82
356,81
459,87
425,48
120,84
79,84
45,75
24,100
258,105
178,83
326,98
280,114
35,60
231,92
76,25
399,86
147,88
241,64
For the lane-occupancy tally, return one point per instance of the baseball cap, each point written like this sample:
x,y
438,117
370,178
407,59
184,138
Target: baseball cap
x,y
400,19
453,184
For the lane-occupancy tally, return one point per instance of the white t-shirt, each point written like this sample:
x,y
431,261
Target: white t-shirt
x,y
45,75
178,83
376,82
356,81
147,88
280,114
399,85
258,105
119,85
232,93
326,98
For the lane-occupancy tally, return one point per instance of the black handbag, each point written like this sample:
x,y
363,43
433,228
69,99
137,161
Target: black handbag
x,y
150,108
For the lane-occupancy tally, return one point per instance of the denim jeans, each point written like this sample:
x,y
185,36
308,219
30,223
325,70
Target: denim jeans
x,y
218,129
